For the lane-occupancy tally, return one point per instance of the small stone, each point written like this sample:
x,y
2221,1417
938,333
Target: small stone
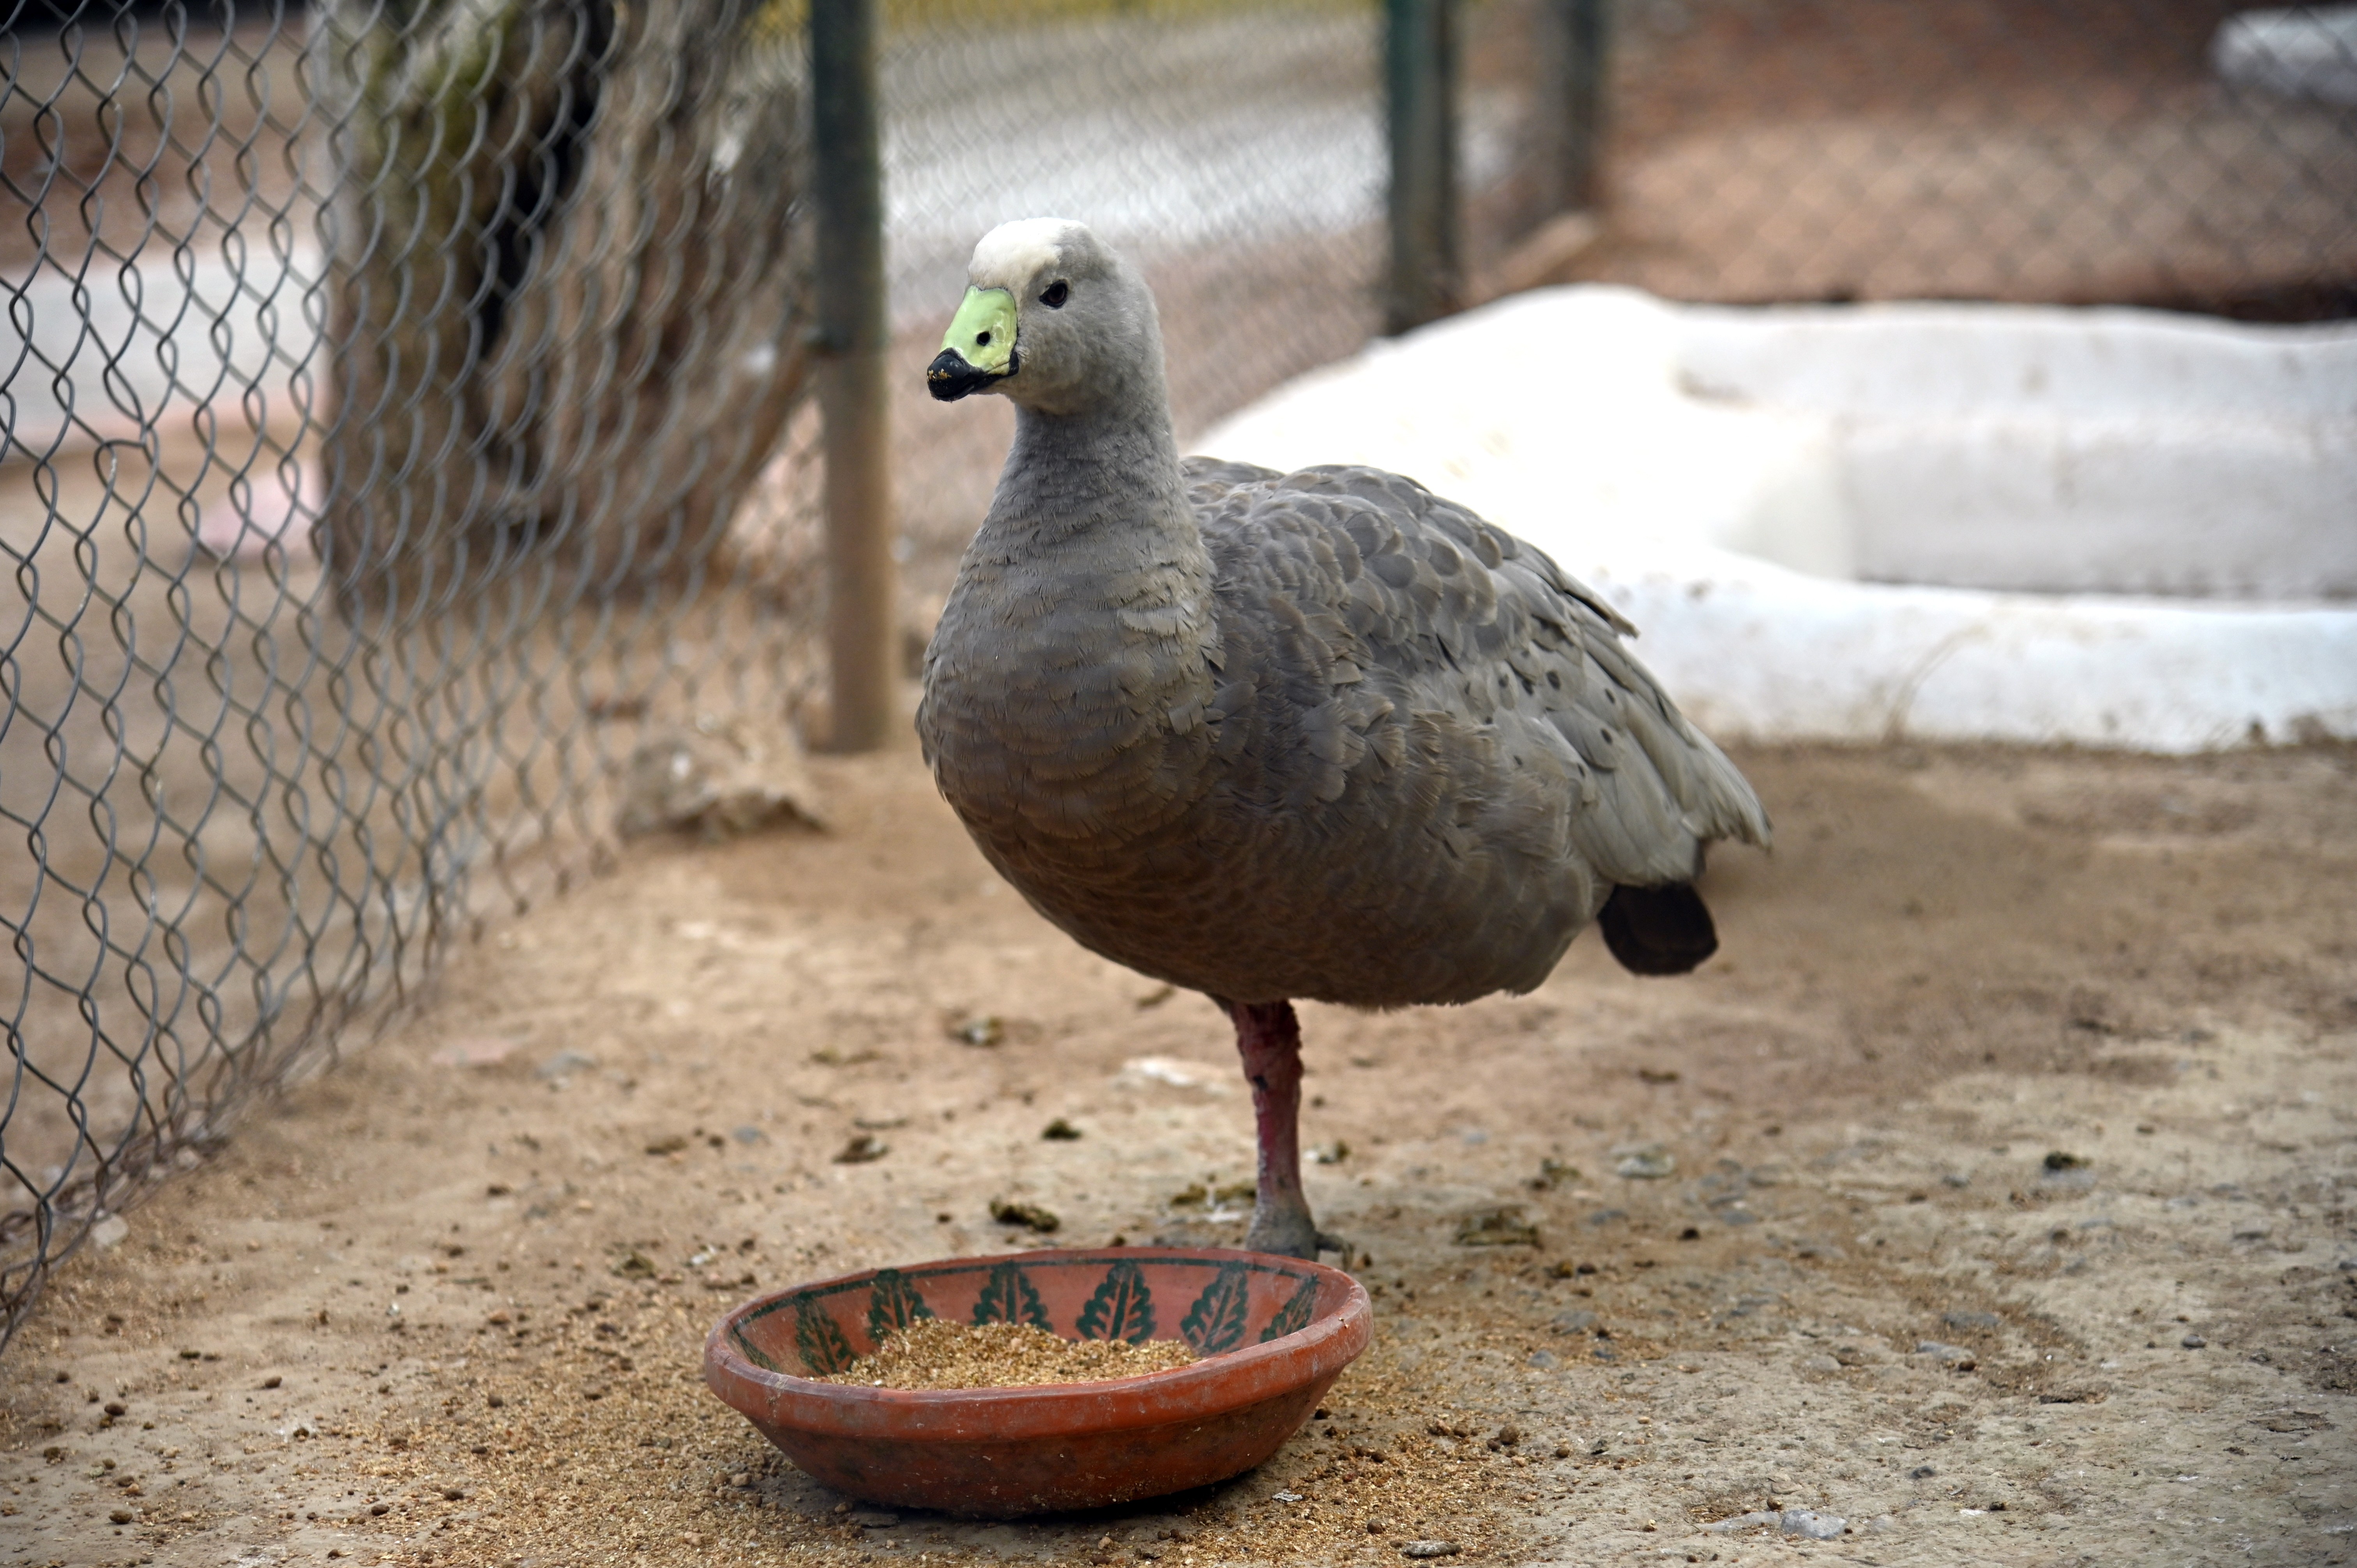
x,y
1059,1131
715,781
272,1380
474,1051
861,1148
1921,1473
2192,1342
1962,1319
1420,1550
122,1516
1644,1162
1744,1522
1542,1361
985,1032
1578,1320
1554,1173
109,1232
116,1407
741,1480
454,1494
1955,1356
1031,1216
870,1519
1819,1364
1814,1526
1500,1227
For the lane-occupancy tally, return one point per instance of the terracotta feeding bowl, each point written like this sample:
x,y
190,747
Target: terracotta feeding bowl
x,y
1273,1333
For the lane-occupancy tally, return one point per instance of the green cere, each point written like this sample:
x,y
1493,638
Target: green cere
x,y
982,334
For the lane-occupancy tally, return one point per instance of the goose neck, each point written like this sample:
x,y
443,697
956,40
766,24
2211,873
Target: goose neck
x,y
1070,473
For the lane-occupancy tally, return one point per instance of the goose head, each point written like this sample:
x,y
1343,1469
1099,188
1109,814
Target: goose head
x,y
1054,319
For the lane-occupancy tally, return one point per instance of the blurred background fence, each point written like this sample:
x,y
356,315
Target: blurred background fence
x,y
408,487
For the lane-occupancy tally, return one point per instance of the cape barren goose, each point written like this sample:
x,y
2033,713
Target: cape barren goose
x,y
1271,736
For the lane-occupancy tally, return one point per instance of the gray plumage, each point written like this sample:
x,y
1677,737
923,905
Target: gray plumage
x,y
1266,736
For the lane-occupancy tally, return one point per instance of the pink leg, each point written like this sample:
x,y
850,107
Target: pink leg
x,y
1268,1036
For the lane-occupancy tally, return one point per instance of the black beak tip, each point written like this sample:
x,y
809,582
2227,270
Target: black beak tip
x,y
950,377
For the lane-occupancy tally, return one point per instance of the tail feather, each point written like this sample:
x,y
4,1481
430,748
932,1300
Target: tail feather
x,y
1658,930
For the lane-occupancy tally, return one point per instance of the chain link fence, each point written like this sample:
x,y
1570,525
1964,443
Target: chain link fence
x,y
2188,155
408,489
400,437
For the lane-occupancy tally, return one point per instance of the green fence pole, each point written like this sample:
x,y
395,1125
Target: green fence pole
x,y
847,182
1420,76
1570,58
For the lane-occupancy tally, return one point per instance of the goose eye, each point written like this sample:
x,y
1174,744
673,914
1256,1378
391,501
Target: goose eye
x,y
1057,293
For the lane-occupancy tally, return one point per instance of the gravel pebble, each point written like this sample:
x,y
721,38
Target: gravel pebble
x,y
1791,1522
1644,1162
1423,1549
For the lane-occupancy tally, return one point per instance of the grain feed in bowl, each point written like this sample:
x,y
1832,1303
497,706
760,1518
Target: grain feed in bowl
x,y
934,1353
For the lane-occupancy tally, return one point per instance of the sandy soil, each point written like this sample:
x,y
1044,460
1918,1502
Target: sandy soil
x,y
383,1324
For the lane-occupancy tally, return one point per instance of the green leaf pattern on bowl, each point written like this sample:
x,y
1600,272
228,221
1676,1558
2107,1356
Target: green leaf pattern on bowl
x,y
893,1303
1122,1308
1216,1321
1295,1315
752,1351
818,1339
1009,1298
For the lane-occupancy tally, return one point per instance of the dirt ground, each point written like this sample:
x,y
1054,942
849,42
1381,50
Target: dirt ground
x,y
2009,1150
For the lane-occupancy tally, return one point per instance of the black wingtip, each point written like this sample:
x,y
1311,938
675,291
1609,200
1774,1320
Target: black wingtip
x,y
1658,930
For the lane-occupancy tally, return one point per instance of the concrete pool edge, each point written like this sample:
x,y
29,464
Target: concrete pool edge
x,y
1754,649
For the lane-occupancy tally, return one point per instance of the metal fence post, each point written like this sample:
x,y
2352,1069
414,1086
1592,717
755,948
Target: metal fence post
x,y
848,183
1569,125
1420,78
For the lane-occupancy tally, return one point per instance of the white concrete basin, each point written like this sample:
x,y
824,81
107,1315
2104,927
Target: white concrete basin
x,y
2098,527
